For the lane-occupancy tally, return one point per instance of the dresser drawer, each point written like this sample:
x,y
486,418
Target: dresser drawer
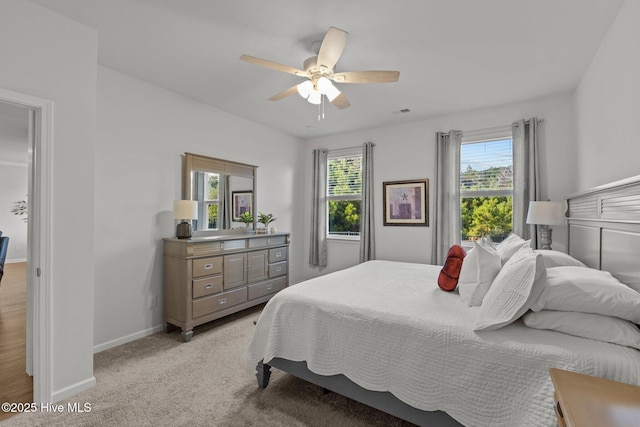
x,y
207,286
218,302
277,269
266,288
277,254
207,266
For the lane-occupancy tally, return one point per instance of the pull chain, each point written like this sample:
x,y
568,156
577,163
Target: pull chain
x,y
321,109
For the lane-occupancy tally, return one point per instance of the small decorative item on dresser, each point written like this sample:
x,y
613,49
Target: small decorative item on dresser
x,y
247,219
184,210
265,220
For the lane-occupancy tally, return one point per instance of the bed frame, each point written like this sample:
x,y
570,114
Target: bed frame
x,y
604,229
604,233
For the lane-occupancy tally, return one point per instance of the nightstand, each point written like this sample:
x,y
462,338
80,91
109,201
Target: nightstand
x,y
586,401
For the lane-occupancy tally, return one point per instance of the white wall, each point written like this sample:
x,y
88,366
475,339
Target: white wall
x,y
142,132
407,151
607,105
52,57
13,187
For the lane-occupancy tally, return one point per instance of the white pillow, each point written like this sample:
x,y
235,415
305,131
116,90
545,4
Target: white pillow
x,y
479,268
588,290
586,325
487,242
510,238
510,246
553,258
514,289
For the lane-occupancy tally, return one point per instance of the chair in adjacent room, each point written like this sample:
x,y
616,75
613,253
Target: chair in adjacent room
x,y
4,247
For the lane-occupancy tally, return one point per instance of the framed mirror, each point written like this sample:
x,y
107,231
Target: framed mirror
x,y
224,190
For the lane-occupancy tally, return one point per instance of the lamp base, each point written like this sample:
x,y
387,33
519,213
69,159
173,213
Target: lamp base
x,y
545,237
183,230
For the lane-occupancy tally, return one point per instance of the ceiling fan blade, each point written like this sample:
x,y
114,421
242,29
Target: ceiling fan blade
x,y
366,77
341,101
284,93
273,65
331,48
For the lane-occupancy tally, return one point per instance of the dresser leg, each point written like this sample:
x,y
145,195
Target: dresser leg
x,y
186,335
263,373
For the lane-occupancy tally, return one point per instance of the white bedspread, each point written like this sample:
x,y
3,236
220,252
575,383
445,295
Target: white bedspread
x,y
388,327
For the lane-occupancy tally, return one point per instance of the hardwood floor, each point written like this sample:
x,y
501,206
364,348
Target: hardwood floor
x,y
15,384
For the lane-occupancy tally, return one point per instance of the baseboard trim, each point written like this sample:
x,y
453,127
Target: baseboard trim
x,y
128,338
73,389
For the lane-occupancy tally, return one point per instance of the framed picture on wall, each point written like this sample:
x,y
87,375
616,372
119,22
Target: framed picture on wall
x,y
406,202
241,203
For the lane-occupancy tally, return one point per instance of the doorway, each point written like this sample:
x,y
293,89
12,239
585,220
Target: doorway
x,y
39,113
16,385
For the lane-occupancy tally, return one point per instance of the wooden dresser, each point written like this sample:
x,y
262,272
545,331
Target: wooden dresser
x,y
206,278
586,401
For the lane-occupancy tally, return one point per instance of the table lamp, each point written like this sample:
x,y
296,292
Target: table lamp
x,y
544,214
184,210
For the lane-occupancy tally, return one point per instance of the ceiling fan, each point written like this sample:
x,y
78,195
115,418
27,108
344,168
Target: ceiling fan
x,y
319,71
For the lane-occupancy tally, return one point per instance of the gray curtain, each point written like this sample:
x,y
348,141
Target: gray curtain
x,y
226,204
526,176
446,228
367,223
318,250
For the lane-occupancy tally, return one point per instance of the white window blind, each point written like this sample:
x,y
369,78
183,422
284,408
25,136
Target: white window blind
x,y
345,176
486,167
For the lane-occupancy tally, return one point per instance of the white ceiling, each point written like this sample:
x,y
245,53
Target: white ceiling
x,y
453,55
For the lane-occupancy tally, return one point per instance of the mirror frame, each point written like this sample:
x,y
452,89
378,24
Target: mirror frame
x,y
196,162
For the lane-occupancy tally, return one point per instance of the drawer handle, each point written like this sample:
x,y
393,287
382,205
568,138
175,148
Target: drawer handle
x,y
278,268
209,286
269,287
222,301
278,254
208,266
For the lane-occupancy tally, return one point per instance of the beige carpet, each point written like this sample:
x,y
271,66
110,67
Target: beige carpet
x,y
161,381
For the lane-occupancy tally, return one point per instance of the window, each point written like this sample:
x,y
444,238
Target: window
x,y
486,187
344,193
209,187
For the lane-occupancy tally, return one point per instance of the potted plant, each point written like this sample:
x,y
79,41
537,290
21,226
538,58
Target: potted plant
x,y
266,220
247,218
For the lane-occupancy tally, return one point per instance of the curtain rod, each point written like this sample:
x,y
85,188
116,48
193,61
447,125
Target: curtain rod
x,y
348,148
494,128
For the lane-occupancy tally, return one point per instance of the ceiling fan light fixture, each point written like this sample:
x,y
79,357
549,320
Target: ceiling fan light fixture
x,y
323,85
305,88
315,97
332,92
319,70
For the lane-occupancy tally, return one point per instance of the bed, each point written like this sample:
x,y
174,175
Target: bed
x,y
384,334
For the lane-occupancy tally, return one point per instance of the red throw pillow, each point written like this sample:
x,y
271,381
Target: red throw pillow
x,y
448,277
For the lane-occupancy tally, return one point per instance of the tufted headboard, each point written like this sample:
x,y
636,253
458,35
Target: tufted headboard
x,y
604,229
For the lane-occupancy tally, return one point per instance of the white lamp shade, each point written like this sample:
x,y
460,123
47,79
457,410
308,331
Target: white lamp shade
x,y
546,213
305,88
315,97
332,92
185,209
323,85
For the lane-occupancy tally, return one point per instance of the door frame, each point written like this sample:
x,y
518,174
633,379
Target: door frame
x,y
39,250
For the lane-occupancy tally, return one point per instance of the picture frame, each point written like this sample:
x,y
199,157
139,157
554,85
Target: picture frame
x,y
406,202
241,201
